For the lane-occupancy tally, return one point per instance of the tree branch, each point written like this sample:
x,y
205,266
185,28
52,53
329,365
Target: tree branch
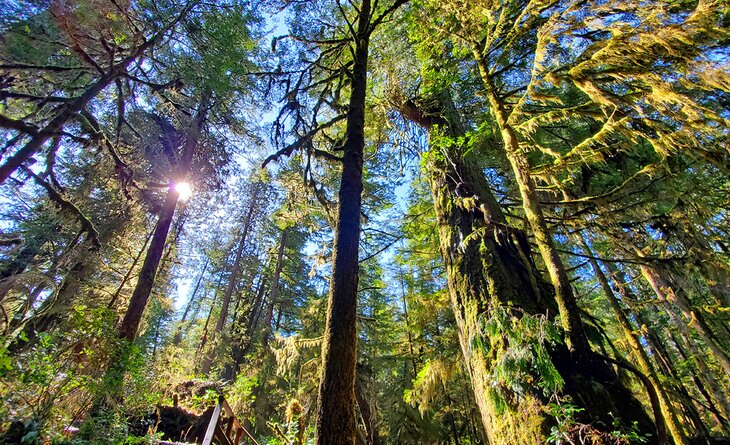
x,y
64,204
289,149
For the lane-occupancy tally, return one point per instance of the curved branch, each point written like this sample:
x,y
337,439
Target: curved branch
x,y
653,397
300,142
64,204
19,125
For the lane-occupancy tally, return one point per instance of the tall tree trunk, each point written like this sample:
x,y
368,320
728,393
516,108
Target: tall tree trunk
x,y
256,308
137,304
114,375
489,271
669,414
658,349
204,337
273,293
179,331
232,281
719,393
336,403
716,401
569,313
368,416
406,318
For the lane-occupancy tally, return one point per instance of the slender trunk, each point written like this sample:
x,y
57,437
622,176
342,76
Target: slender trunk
x,y
668,294
239,341
257,307
179,332
450,414
658,350
232,280
569,313
698,357
115,297
404,302
273,293
717,402
240,352
718,392
241,301
204,337
667,409
336,406
137,304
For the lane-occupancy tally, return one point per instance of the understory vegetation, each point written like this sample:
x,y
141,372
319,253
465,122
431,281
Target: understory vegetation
x,y
365,222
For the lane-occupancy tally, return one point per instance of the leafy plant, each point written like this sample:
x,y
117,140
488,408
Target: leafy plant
x,y
519,346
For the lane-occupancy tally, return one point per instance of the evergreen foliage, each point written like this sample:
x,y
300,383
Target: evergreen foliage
x,y
409,222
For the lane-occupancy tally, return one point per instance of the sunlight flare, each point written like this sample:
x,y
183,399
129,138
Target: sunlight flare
x,y
184,190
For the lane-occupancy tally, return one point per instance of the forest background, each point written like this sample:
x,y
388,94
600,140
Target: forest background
x,y
374,221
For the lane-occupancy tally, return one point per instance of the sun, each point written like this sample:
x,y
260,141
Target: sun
x,y
183,189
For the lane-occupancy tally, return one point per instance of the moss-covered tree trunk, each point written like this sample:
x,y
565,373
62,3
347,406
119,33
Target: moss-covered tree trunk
x,y
569,314
495,287
640,355
668,295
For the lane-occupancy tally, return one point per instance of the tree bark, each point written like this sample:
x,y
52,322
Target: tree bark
x,y
273,293
489,268
232,281
137,304
336,403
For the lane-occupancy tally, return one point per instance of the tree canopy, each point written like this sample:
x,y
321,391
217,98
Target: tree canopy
x,y
365,222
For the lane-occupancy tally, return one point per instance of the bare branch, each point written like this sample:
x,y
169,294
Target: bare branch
x,y
289,149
